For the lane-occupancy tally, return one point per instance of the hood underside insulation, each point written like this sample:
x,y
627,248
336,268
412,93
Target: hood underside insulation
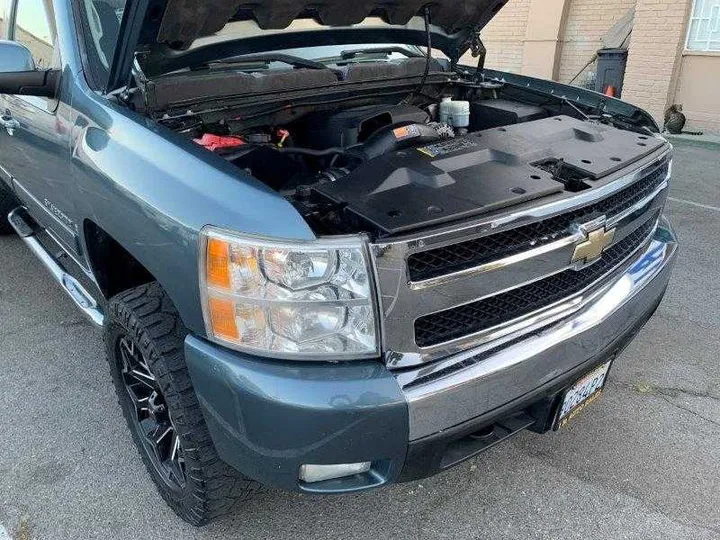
x,y
186,20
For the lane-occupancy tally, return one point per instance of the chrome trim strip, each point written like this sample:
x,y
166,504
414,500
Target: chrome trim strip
x,y
614,220
599,307
500,263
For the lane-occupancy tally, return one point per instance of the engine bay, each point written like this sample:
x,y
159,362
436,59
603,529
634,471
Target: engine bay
x,y
387,167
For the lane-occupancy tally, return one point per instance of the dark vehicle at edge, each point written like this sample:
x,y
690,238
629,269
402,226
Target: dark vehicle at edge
x,y
324,259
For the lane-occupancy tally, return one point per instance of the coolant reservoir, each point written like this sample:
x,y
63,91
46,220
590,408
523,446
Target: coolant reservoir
x,y
460,114
455,113
445,112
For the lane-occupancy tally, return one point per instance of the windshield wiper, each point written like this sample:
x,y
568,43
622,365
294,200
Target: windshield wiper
x,y
264,59
379,51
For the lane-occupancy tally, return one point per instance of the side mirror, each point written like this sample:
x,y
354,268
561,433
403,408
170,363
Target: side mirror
x,y
19,76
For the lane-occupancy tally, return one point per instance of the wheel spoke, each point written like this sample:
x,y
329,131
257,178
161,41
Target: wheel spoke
x,y
138,377
127,353
128,345
134,364
177,461
139,400
175,452
177,472
150,429
141,376
167,431
151,440
151,413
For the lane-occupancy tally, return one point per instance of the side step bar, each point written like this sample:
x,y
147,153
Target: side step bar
x,y
77,293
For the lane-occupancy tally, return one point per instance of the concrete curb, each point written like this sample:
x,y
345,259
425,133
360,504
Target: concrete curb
x,y
711,142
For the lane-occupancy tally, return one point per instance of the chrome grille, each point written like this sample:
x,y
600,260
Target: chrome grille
x,y
523,280
470,318
457,257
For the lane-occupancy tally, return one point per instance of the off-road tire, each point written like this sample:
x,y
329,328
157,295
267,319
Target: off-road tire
x,y
146,315
7,203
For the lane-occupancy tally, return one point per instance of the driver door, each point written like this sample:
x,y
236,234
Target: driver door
x,y
34,135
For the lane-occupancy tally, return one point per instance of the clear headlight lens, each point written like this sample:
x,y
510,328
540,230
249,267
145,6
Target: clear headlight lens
x,y
288,300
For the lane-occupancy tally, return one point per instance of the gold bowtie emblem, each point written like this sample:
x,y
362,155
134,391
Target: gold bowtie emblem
x,y
597,242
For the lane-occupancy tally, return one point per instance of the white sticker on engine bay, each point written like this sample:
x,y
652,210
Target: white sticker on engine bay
x,y
447,147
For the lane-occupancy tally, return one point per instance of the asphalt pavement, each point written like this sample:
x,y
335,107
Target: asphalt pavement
x,y
642,463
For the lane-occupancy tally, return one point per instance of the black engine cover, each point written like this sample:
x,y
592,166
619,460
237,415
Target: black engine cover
x,y
481,172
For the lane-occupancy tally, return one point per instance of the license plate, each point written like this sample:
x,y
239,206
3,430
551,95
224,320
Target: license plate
x,y
581,394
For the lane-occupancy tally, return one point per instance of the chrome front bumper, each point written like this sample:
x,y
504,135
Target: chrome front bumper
x,y
477,381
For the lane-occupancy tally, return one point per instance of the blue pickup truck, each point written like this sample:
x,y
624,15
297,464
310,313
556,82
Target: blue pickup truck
x,y
326,254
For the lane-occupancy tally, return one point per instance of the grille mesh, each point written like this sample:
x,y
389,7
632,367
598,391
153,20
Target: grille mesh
x,y
464,320
458,257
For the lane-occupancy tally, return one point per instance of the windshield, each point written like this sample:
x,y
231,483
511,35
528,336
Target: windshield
x,y
341,54
235,30
205,50
100,22
318,57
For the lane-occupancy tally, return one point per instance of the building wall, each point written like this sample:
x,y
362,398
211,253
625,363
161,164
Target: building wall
x,y
587,22
654,60
698,91
41,50
659,71
504,37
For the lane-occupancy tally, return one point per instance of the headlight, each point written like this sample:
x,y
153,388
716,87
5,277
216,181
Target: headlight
x,y
288,300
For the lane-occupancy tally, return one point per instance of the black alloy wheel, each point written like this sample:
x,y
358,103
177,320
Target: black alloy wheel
x,y
152,417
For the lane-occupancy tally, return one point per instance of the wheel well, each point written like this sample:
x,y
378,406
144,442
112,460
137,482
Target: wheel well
x,y
115,269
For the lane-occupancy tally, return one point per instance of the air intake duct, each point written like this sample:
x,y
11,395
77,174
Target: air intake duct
x,y
396,137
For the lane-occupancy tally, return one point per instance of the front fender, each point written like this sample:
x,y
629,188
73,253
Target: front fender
x,y
153,191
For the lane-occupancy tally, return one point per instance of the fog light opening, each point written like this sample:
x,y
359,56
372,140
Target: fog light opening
x,y
318,473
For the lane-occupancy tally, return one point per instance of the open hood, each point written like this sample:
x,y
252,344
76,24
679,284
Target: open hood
x,y
184,21
165,30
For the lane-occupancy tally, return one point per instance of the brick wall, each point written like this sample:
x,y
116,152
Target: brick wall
x,y
504,37
587,22
653,64
657,74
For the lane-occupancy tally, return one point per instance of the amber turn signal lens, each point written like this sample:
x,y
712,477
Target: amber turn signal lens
x,y
218,263
222,318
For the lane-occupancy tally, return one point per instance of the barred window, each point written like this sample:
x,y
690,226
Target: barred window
x,y
704,32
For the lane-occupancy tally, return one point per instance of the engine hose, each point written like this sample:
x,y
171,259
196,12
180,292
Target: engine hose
x,y
384,140
289,150
397,137
312,152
